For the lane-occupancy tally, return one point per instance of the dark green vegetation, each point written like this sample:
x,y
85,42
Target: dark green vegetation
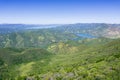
x,y
63,61
60,54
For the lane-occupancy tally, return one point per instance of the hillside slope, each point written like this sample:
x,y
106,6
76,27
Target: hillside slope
x,y
81,62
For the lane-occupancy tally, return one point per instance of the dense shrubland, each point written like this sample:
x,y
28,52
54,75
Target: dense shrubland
x,y
63,61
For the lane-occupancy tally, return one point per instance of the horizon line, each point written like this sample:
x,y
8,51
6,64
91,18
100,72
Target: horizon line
x,y
63,23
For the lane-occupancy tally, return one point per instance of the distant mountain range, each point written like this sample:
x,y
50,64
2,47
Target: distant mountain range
x,y
8,28
22,35
96,29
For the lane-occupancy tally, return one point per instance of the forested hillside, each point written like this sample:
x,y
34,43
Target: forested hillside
x,y
64,52
67,62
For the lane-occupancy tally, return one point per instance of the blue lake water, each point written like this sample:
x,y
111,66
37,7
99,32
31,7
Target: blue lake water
x,y
85,35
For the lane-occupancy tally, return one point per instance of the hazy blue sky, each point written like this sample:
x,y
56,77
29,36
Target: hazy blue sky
x,y
59,11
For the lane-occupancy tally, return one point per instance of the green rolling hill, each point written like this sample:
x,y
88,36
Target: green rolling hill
x,y
81,62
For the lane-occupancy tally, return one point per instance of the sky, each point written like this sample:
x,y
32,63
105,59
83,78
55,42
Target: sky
x,y
59,11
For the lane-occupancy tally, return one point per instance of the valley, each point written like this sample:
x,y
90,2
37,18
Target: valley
x,y
83,51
